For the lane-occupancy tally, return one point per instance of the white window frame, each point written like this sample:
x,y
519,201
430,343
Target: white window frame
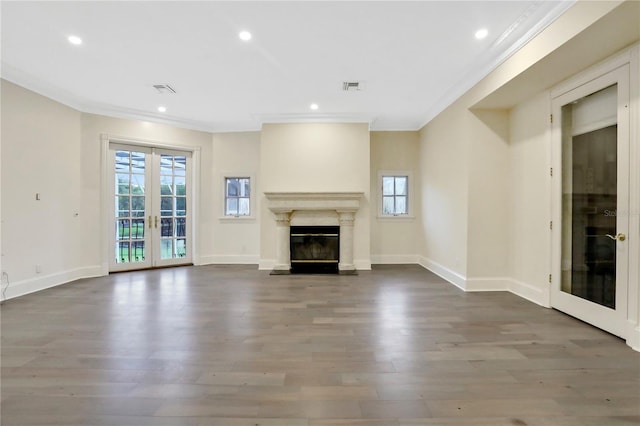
x,y
410,194
252,199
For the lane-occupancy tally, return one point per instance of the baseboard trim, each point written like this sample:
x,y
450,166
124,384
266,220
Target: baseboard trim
x,y
393,259
453,277
362,265
521,289
266,264
32,285
539,296
234,259
488,284
526,291
633,336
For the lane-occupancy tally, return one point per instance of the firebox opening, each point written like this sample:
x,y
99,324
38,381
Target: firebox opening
x,y
315,249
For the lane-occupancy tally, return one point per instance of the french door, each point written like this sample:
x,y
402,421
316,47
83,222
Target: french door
x,y
591,201
151,218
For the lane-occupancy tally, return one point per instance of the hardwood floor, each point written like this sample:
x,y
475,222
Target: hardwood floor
x,y
234,346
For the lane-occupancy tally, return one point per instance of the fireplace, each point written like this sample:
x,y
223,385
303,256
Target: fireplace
x,y
314,209
315,249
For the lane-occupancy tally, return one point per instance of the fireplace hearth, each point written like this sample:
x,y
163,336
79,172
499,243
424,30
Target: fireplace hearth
x,y
315,249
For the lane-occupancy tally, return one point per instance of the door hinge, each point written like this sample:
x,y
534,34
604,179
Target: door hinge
x,y
549,278
551,171
551,118
551,225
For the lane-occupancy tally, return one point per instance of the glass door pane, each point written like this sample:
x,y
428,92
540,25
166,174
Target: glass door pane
x,y
173,242
130,248
590,197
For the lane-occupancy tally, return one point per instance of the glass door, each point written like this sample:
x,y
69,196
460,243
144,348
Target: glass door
x,y
150,226
591,154
171,202
131,206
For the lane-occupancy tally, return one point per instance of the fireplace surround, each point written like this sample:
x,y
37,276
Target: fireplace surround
x,y
314,209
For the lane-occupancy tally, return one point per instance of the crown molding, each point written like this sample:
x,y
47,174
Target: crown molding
x,y
515,37
314,118
41,87
23,79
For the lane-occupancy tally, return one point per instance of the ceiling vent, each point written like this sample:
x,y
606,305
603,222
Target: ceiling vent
x,y
352,86
164,89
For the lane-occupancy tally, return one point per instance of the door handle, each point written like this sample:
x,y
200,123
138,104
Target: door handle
x,y
619,237
149,221
156,222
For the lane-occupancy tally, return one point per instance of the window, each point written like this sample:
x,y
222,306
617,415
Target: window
x,y
237,196
395,194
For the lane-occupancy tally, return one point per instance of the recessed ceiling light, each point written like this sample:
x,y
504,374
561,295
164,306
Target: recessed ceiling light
x,y
162,109
245,35
314,106
74,40
481,33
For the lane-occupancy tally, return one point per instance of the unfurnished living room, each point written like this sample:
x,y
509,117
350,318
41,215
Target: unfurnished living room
x,y
320,213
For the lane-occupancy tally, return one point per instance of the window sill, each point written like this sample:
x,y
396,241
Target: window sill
x,y
230,219
401,218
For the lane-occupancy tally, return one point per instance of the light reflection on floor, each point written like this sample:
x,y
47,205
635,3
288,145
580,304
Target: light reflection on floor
x,y
392,318
142,301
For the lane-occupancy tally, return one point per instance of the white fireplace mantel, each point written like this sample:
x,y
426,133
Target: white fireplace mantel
x,y
281,202
344,204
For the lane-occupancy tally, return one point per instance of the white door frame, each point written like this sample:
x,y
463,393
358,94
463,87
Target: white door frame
x,y
106,184
630,58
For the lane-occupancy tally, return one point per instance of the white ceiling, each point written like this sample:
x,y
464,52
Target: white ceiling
x,y
414,58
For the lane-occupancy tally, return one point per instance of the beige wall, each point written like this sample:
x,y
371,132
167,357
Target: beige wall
x,y
465,156
93,127
395,240
235,240
56,151
465,193
36,129
444,181
529,210
315,158
488,221
41,154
